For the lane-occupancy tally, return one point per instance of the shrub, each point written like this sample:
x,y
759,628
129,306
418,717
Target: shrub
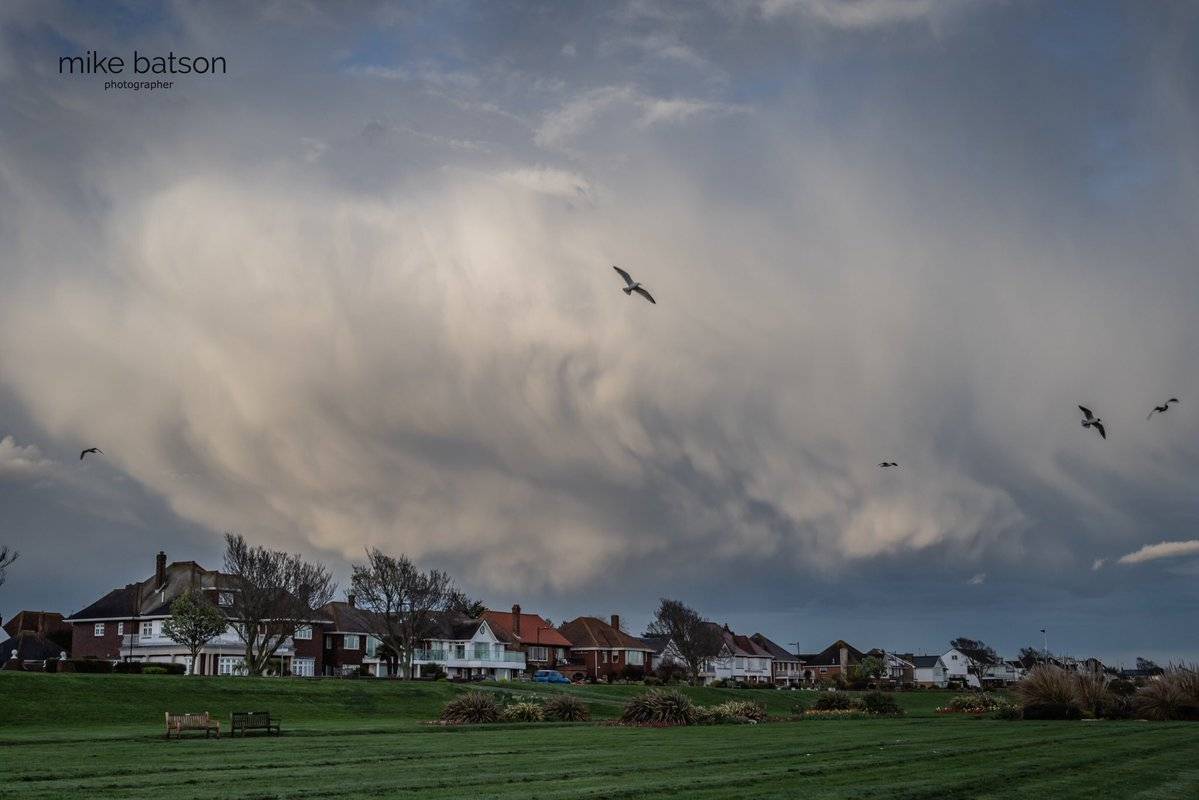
x,y
977,703
668,671
566,708
1048,688
836,713
1117,706
744,709
631,672
128,667
1122,688
91,665
881,704
832,701
1005,710
155,669
650,680
1090,693
433,671
1051,710
1174,695
664,706
471,708
706,715
523,712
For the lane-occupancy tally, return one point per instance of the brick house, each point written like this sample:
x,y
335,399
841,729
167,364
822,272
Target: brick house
x,y
787,668
834,660
126,625
601,649
542,645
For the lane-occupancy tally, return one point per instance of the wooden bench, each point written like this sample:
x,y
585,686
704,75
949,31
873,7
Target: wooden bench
x,y
178,723
254,721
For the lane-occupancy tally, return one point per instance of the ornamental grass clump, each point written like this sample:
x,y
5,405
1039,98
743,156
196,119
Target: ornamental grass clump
x,y
977,703
566,708
471,708
1173,695
661,707
881,704
1049,692
523,712
739,711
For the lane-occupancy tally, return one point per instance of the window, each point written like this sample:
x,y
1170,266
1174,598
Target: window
x,y
303,667
328,642
539,654
615,656
635,658
460,651
99,629
230,665
303,632
372,646
953,658
482,651
561,651
823,670
605,657
120,629
349,641
148,629
224,599
740,662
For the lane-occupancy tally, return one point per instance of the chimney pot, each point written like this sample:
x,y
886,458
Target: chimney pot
x,y
616,621
516,619
160,568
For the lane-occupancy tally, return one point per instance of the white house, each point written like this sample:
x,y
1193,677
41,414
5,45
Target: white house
x,y
959,666
930,671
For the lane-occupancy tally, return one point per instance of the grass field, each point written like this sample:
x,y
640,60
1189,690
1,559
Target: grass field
x,y
98,736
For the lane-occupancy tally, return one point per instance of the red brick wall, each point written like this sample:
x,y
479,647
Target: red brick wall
x,y
85,644
338,655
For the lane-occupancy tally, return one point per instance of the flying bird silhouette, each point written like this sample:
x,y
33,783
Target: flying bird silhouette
x,y
1092,421
633,286
1163,408
90,451
886,464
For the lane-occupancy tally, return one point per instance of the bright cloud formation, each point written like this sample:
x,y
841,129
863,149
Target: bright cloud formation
x,y
1153,552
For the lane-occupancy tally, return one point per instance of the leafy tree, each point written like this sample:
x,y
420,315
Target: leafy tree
x,y
460,603
194,622
402,599
1149,665
868,667
7,557
1034,654
273,593
694,638
978,646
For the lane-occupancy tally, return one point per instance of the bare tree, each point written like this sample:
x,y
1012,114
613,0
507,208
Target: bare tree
x,y
273,594
694,638
460,603
403,601
6,558
194,622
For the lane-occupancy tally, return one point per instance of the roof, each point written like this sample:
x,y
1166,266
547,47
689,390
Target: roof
x,y
775,650
347,618
977,655
924,662
831,655
44,621
657,643
534,630
594,632
147,598
29,647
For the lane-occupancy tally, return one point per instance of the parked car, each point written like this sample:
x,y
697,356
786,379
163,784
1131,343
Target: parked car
x,y
549,676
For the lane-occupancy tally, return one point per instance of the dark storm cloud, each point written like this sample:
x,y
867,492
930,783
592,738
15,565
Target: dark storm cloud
x,y
357,293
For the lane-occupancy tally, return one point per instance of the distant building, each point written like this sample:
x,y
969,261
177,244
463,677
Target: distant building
x,y
601,649
786,667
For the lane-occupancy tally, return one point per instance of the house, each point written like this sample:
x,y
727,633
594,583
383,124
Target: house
x,y
896,668
601,650
29,650
126,625
960,667
462,647
929,670
542,646
834,660
739,659
1002,673
36,636
786,668
664,652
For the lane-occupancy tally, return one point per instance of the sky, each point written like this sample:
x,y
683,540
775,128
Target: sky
x,y
357,292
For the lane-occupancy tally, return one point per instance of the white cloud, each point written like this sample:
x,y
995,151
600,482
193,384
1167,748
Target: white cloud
x,y
548,180
621,106
1152,552
22,462
856,13
1097,564
978,579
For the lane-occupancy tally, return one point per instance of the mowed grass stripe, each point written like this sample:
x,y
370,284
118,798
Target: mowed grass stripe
x,y
598,761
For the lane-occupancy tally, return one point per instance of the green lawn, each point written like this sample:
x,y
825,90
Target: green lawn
x,y
366,739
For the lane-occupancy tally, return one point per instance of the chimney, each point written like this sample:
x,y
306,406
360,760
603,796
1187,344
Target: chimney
x,y
844,659
160,568
516,619
350,599
616,621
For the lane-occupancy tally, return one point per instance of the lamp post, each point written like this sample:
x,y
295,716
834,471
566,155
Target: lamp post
x,y
1045,645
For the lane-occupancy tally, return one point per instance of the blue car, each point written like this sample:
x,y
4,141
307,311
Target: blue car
x,y
549,676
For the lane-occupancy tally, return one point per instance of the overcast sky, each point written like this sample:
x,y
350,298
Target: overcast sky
x,y
357,292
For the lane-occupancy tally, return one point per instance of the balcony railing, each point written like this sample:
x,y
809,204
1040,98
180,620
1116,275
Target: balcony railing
x,y
446,656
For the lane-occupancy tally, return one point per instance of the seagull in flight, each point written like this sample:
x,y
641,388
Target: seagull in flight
x,y
634,286
1092,421
1163,408
90,451
886,464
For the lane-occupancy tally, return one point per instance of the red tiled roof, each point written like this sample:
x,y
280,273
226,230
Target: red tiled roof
x,y
533,629
594,632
